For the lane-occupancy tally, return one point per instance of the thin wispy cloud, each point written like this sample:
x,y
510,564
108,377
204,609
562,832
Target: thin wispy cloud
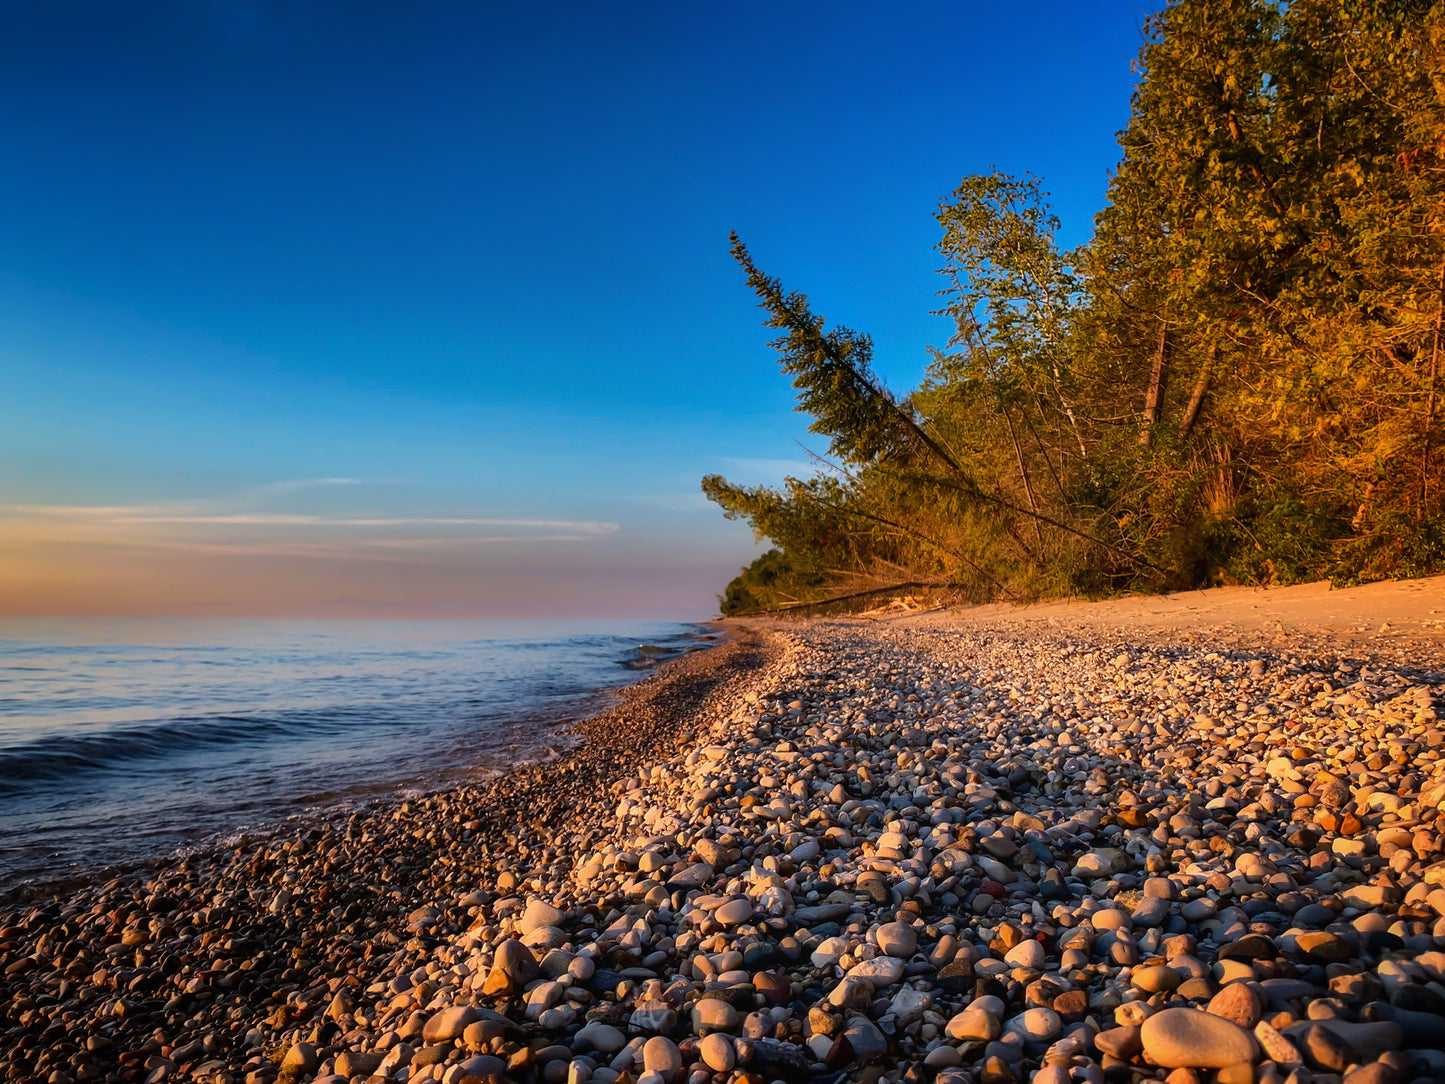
x,y
238,527
159,514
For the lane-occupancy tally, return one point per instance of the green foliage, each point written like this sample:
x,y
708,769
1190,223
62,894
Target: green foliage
x,y
773,579
1237,379
832,370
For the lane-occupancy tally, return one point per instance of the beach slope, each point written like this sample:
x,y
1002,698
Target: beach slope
x,y
934,848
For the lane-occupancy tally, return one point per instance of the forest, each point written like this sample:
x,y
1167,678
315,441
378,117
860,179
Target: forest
x,y
1236,380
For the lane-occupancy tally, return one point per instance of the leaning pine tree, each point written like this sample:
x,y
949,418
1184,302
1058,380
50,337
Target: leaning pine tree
x,y
910,513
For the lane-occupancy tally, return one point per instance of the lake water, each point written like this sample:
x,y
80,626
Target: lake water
x,y
125,739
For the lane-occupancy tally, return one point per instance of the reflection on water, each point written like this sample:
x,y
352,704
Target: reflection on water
x,y
122,738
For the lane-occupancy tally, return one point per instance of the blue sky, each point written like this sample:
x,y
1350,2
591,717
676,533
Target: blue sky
x,y
377,308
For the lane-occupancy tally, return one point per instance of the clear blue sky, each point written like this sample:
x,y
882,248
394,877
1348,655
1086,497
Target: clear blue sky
x,y
427,308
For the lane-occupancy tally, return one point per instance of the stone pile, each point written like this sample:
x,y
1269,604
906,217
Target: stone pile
x,y
875,853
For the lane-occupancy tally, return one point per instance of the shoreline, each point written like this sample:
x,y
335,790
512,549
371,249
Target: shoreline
x,y
522,734
835,849
638,719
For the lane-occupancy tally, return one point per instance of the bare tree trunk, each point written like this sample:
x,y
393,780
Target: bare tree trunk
x,y
1155,397
1430,403
944,586
1201,388
1044,451
1028,485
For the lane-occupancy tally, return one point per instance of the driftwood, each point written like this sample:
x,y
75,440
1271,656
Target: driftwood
x,y
892,587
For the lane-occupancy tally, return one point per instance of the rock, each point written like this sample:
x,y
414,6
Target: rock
x,y
352,1063
860,1042
1188,1038
806,917
537,915
880,971
448,1024
897,939
1036,1025
1323,1049
956,977
974,1025
1269,845
484,1065
734,912
1156,979
1375,1072
713,1014
1237,1004
1275,1046
513,967
1152,911
774,988
656,1016
1123,1042
1026,954
603,1037
1369,1040
660,1055
300,1060
717,1052
693,875
1323,948
1314,914
851,993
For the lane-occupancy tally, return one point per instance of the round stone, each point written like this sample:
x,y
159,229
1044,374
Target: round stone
x,y
714,1014
1037,1025
1190,1039
974,1025
537,915
1156,979
717,1052
661,1055
734,912
897,939
448,1024
1029,954
603,1037
1236,1003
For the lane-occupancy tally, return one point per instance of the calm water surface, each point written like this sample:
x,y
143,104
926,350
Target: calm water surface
x,y
124,739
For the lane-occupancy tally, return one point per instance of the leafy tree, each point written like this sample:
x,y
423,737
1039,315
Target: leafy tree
x,y
1238,377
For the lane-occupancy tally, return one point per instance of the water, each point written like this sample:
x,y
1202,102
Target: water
x,y
128,739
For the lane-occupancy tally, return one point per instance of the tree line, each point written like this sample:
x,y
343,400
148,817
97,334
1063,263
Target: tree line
x,y
1237,379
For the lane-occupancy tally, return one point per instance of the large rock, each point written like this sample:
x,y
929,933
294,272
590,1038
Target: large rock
x,y
603,1037
1028,954
513,967
1237,1004
897,939
734,912
1369,1040
660,1055
1190,1039
881,971
448,1024
974,1025
717,1052
537,915
300,1060
356,1063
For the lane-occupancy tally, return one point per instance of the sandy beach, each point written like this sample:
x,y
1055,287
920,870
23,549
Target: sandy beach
x,y
1194,837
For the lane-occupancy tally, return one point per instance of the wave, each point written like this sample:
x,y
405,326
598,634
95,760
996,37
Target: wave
x,y
32,765
653,654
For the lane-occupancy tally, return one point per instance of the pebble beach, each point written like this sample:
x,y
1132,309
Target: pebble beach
x,y
823,851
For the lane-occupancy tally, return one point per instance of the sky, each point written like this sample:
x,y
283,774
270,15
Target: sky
x,y
376,309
